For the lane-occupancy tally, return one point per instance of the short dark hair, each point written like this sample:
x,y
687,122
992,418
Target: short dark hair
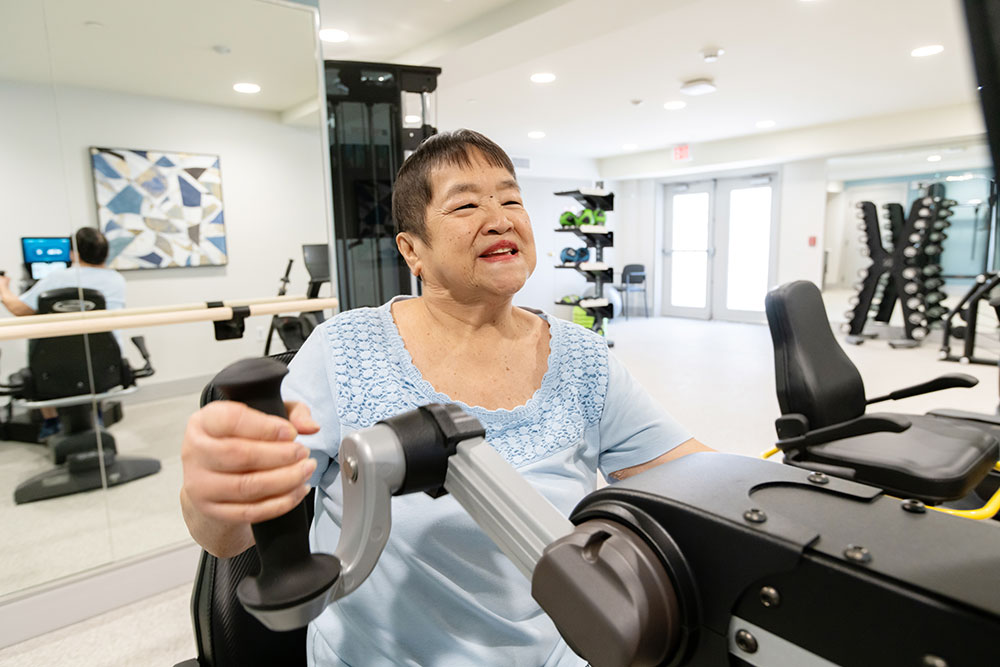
x,y
411,194
91,246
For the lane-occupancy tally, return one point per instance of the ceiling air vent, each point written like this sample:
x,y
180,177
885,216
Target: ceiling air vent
x,y
521,163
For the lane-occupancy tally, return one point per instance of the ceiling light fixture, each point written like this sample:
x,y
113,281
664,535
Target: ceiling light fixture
x,y
629,147
933,158
924,51
765,124
675,105
543,77
411,118
248,88
333,35
536,134
711,55
696,87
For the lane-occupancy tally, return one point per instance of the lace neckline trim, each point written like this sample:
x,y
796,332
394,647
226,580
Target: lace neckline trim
x,y
525,410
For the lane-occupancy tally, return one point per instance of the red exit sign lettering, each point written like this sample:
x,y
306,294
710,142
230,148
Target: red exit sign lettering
x,y
682,153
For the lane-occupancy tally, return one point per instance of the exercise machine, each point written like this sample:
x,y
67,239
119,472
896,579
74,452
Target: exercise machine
x,y
708,560
294,329
75,375
967,310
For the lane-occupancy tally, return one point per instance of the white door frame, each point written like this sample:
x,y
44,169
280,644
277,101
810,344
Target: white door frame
x,y
666,250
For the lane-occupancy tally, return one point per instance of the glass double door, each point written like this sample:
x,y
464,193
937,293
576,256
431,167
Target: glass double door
x,y
719,247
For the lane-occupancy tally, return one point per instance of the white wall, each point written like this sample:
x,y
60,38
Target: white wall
x,y
802,215
272,187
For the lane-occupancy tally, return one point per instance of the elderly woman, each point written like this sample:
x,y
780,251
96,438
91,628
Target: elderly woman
x,y
554,404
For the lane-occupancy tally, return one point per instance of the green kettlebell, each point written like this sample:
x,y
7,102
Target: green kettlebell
x,y
586,217
568,219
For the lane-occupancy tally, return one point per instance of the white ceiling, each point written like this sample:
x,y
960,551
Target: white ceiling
x,y
796,63
165,49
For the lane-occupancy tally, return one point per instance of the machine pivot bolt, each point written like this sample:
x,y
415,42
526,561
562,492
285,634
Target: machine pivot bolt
x,y
350,468
748,643
818,478
913,505
754,515
933,661
857,553
769,596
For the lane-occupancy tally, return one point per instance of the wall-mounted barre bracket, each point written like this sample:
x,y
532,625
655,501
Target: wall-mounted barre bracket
x,y
235,326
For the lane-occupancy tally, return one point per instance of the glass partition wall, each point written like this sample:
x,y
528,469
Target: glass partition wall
x,y
200,157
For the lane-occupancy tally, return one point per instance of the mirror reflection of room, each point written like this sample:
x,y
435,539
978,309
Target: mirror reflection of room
x,y
150,180
679,161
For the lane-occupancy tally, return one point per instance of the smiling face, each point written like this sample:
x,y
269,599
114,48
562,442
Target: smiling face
x,y
479,240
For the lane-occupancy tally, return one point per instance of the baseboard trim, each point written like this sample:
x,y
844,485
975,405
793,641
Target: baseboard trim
x,y
35,612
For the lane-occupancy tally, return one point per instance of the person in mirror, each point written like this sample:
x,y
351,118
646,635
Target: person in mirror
x,y
553,401
87,270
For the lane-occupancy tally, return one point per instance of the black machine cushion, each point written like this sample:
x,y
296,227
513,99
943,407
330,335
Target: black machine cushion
x,y
61,366
813,375
933,460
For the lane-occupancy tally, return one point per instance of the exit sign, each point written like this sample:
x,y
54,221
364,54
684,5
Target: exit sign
x,y
682,153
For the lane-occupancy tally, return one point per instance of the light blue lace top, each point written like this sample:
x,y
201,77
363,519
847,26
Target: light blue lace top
x,y
442,593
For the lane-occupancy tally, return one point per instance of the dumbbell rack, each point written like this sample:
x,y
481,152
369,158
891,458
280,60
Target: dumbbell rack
x,y
909,273
597,271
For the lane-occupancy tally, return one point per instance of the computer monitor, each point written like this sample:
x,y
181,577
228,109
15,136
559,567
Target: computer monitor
x,y
45,254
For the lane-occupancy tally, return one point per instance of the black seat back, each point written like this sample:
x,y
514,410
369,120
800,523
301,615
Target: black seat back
x,y
633,274
226,635
62,366
813,375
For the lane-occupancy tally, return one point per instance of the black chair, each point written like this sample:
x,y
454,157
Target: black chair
x,y
633,280
71,373
225,634
824,426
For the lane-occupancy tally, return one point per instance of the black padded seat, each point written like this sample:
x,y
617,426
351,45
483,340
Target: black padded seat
x,y
824,425
934,460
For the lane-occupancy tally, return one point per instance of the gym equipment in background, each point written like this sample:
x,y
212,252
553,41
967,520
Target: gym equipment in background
x,y
910,272
294,329
967,310
75,375
824,427
707,560
597,309
368,104
574,255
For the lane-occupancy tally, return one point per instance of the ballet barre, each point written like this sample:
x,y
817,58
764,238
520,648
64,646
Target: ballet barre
x,y
119,312
234,312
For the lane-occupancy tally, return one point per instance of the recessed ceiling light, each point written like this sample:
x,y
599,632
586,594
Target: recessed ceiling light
x,y
933,158
248,88
765,124
674,105
536,134
543,77
333,35
629,147
712,55
410,118
698,87
924,51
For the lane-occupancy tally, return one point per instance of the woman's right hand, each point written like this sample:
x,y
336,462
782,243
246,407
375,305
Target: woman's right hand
x,y
242,466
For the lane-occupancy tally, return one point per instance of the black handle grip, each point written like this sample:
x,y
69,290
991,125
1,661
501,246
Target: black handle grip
x,y
282,542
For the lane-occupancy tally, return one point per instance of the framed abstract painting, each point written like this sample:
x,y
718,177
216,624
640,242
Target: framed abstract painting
x,y
159,209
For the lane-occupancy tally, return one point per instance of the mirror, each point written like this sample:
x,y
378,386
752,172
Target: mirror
x,y
204,194
62,536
